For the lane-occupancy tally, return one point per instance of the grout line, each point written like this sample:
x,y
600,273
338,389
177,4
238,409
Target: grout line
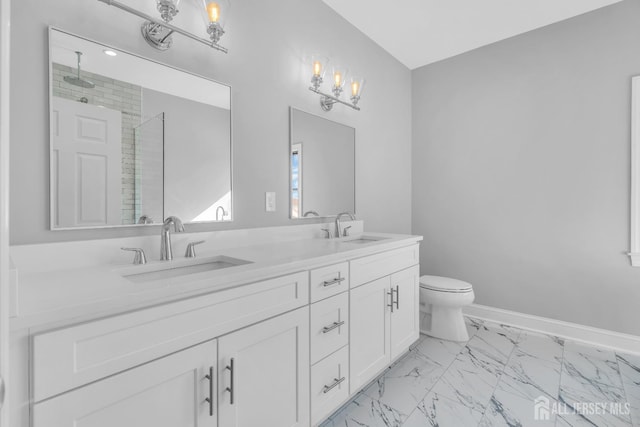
x,y
440,376
564,341
624,388
502,372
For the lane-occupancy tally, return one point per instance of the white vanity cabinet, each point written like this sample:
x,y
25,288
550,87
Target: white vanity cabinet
x,y
176,390
384,312
263,373
285,350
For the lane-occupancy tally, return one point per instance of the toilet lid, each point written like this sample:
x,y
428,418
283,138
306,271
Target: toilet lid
x,y
446,284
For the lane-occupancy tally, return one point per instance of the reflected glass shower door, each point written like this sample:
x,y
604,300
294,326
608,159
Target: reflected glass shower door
x,y
148,166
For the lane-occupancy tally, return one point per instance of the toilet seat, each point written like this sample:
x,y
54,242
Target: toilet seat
x,y
445,284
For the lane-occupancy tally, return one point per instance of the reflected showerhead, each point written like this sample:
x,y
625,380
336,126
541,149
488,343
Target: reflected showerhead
x,y
77,80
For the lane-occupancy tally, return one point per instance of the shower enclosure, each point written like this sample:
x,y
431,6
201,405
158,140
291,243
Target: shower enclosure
x,y
146,170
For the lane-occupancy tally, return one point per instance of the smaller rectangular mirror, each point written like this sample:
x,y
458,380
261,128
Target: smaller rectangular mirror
x,y
322,166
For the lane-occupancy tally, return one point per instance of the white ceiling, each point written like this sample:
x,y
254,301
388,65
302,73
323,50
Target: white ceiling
x,y
419,32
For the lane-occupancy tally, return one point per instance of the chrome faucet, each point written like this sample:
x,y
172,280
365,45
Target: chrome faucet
x,y
218,209
165,236
339,231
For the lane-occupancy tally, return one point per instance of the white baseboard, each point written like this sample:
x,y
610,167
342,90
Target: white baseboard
x,y
600,337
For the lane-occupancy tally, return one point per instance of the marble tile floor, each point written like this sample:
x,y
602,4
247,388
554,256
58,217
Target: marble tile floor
x,y
499,378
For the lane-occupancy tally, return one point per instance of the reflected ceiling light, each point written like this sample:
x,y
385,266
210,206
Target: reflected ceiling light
x,y
158,32
109,52
339,74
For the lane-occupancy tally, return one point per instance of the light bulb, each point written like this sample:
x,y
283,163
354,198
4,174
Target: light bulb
x,y
355,88
317,68
337,76
213,10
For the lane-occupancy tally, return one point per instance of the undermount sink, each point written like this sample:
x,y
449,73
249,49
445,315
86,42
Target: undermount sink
x,y
364,239
167,272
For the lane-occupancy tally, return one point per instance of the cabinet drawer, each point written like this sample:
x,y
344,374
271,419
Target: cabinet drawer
x,y
366,269
329,326
329,280
67,358
329,384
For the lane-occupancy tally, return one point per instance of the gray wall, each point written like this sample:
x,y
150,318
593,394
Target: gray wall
x,y
267,42
521,169
197,153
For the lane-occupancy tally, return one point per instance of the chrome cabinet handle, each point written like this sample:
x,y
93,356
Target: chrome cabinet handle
x,y
333,326
210,398
139,257
397,297
336,382
334,281
391,304
230,388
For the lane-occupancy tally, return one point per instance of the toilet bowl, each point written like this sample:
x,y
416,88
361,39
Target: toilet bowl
x,y
441,302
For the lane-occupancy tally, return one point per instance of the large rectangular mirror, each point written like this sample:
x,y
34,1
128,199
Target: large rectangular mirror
x,y
134,141
322,166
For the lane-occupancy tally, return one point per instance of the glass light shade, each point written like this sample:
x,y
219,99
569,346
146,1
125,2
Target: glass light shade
x,y
319,65
215,11
338,77
355,88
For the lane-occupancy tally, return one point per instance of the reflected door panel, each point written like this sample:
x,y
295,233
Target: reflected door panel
x,y
87,167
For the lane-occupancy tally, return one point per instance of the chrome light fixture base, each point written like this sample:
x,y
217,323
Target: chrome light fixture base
x,y
327,101
167,10
316,81
158,32
158,36
215,31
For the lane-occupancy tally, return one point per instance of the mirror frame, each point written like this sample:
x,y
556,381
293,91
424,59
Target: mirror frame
x,y
52,28
289,146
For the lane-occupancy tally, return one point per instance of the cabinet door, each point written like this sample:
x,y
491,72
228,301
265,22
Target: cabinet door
x,y
264,373
369,333
168,392
405,318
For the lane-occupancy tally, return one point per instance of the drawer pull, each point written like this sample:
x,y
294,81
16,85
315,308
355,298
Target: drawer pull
x,y
336,382
332,327
334,281
230,388
210,398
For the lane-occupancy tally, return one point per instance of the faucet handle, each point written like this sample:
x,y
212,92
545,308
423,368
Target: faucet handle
x,y
326,230
191,249
139,257
345,232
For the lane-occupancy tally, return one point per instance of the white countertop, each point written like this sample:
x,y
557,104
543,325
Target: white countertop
x,y
48,298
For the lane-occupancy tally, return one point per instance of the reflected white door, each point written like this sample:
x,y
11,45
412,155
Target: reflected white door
x,y
86,164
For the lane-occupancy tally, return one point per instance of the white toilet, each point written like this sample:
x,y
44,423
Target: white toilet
x,y
441,302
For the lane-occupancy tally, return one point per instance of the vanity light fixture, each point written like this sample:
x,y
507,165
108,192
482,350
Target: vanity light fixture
x,y
338,81
158,32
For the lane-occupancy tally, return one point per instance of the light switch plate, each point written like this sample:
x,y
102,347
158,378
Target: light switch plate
x,y
270,201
